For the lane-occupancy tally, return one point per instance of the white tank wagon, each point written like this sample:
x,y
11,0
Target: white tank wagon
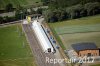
x,y
42,37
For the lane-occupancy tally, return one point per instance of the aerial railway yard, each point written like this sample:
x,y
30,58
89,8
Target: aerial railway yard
x,y
39,55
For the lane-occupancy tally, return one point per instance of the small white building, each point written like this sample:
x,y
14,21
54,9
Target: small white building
x,y
42,37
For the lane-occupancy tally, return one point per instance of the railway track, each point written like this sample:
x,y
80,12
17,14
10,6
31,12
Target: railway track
x,y
39,55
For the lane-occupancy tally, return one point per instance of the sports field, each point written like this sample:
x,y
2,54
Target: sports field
x,y
14,49
15,3
86,29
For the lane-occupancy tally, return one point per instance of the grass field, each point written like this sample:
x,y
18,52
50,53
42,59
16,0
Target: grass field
x,y
86,29
14,49
96,65
69,39
3,3
78,29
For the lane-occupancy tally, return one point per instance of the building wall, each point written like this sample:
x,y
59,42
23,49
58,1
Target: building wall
x,y
88,52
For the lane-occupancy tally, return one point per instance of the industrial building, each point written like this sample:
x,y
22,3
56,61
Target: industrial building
x,y
83,50
86,49
42,37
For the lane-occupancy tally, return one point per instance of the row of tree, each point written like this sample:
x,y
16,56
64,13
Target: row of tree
x,y
66,3
72,12
21,13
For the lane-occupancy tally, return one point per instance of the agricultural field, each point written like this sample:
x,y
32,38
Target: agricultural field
x,y
15,3
86,29
14,48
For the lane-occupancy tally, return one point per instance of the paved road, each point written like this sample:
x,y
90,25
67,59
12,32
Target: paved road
x,y
9,14
39,55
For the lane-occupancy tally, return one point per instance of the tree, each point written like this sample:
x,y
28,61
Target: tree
x,y
21,12
45,2
96,8
61,14
76,11
64,15
88,1
32,11
51,16
92,8
1,20
39,11
83,13
9,7
83,8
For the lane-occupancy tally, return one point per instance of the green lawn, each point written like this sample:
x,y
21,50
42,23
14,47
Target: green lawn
x,y
86,29
96,65
3,3
14,49
78,29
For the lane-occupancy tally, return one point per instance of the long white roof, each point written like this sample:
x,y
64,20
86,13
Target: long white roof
x,y
44,41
